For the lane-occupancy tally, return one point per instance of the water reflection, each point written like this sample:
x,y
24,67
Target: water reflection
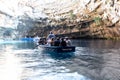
x,y
10,65
17,44
104,44
97,61
63,76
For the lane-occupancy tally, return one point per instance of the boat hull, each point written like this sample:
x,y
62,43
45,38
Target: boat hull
x,y
58,49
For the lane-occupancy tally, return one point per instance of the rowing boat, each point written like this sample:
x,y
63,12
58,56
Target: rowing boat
x,y
57,49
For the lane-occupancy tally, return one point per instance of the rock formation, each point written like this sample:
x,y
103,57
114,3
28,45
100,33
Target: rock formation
x,y
86,18
74,18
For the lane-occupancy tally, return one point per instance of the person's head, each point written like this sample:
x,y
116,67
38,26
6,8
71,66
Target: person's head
x,y
66,38
62,39
51,32
52,39
58,38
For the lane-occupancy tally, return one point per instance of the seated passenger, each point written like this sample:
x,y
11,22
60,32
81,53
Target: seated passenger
x,y
45,41
63,43
68,41
52,42
41,42
36,39
57,42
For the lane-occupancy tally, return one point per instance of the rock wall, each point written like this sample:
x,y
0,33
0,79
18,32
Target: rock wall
x,y
74,18
87,18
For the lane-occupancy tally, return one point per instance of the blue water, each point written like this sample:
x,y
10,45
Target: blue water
x,y
92,60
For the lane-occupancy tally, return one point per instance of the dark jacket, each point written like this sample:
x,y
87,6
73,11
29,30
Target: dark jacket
x,y
63,43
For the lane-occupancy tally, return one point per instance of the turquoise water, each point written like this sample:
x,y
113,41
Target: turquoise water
x,y
93,60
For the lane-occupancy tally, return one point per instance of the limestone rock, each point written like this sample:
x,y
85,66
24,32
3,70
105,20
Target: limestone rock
x,y
59,12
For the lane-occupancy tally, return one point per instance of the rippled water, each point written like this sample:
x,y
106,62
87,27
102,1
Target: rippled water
x,y
93,60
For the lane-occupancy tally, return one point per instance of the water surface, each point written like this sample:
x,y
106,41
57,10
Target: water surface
x,y
93,60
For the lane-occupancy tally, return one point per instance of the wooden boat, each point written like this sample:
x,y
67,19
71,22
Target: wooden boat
x,y
57,49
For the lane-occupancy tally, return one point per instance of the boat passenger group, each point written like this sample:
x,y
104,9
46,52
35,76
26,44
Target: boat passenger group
x,y
52,40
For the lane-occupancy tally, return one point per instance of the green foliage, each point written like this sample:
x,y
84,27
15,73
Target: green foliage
x,y
97,20
72,16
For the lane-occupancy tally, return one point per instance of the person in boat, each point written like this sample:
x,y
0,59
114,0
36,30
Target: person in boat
x,y
52,42
57,42
68,41
45,40
51,35
36,39
41,41
50,39
63,43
